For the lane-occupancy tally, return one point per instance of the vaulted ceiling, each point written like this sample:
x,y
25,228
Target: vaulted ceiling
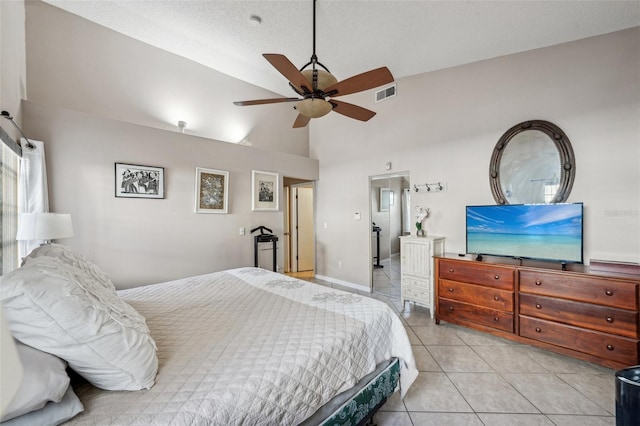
x,y
409,37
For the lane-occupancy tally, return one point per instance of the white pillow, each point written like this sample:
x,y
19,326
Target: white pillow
x,y
58,309
44,379
51,414
73,258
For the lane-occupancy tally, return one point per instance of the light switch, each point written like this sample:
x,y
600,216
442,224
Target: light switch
x,y
356,216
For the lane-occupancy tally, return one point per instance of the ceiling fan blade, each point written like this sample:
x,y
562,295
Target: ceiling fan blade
x,y
352,111
287,69
301,121
358,83
265,101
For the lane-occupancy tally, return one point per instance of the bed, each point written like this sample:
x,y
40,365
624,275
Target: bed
x,y
243,346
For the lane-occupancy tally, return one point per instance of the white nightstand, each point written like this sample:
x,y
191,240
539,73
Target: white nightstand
x,y
416,265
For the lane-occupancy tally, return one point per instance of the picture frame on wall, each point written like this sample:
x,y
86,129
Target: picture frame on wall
x,y
384,200
212,191
137,181
265,191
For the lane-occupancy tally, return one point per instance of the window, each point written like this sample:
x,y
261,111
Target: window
x,y
9,216
550,191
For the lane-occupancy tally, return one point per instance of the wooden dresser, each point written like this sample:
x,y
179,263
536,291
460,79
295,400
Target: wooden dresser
x,y
478,294
591,316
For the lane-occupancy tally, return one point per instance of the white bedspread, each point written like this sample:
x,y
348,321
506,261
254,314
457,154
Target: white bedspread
x,y
251,347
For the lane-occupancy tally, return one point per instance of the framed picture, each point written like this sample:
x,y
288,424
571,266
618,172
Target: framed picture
x,y
265,187
135,181
212,189
385,199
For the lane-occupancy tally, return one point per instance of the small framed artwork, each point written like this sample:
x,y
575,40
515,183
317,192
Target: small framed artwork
x,y
212,190
384,199
136,181
264,191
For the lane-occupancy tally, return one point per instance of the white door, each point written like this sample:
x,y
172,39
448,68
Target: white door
x,y
304,257
287,233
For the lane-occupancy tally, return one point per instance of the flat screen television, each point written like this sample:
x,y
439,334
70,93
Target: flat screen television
x,y
552,232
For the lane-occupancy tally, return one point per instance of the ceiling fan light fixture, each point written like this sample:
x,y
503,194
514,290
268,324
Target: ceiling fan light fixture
x,y
314,108
316,85
325,79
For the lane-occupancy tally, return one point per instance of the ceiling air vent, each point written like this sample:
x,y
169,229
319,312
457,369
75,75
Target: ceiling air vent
x,y
385,93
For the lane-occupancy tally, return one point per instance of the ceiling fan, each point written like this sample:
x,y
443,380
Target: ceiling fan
x,y
318,87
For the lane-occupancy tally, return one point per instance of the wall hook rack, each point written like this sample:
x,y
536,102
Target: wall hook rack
x,y
429,187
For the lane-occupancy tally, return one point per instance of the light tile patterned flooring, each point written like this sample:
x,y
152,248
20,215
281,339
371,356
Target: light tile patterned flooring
x,y
473,378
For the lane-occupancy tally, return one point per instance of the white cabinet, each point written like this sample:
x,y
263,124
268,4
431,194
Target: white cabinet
x,y
416,266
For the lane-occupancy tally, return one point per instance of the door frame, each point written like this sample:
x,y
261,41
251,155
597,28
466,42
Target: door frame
x,y
405,173
293,222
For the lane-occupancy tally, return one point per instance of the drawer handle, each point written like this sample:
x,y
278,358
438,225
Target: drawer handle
x,y
538,330
610,347
538,282
451,271
496,298
496,277
451,289
609,319
538,306
496,319
608,292
451,308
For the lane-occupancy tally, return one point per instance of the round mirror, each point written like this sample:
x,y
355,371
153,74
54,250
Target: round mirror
x,y
532,163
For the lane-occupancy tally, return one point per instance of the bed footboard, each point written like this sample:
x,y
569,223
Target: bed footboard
x,y
358,405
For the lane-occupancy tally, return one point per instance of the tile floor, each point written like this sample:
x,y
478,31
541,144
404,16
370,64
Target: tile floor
x,y
473,378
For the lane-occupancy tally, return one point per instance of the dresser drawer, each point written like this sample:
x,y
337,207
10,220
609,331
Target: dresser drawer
x,y
477,273
416,294
601,318
595,343
453,311
476,295
415,283
602,291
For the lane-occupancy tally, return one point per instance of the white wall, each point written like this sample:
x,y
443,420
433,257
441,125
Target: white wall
x,y
142,241
77,64
443,126
97,97
12,63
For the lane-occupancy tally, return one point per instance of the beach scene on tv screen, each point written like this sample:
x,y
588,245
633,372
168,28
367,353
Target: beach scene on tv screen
x,y
550,231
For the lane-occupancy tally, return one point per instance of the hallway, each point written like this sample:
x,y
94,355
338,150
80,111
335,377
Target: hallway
x,y
386,280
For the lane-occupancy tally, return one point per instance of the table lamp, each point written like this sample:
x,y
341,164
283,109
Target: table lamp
x,y
44,226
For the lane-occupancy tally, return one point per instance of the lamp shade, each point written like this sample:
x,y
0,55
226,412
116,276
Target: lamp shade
x,y
44,226
314,108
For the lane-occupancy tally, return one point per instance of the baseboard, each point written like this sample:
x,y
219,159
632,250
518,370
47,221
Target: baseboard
x,y
343,283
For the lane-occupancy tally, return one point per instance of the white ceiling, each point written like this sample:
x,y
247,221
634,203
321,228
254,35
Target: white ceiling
x,y
409,37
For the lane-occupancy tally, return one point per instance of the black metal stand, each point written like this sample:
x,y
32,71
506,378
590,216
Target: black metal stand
x,y
377,230
265,238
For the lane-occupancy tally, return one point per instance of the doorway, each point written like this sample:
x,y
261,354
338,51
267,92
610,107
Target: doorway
x,y
299,228
390,219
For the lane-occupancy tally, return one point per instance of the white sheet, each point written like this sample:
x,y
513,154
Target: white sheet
x,y
251,347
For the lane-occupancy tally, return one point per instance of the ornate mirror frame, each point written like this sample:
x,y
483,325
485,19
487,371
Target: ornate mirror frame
x,y
561,142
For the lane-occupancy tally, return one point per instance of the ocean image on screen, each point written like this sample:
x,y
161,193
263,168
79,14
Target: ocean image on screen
x,y
549,231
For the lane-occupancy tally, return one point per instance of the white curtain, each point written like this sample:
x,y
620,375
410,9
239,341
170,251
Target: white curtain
x,y
33,194
9,207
